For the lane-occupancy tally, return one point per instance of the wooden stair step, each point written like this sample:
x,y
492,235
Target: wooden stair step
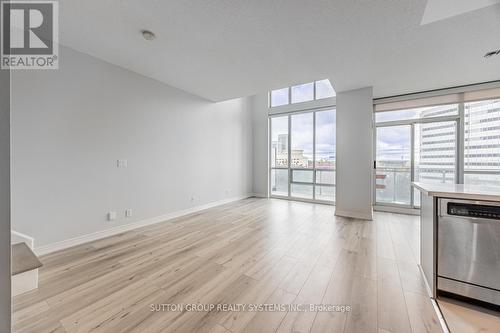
x,y
23,259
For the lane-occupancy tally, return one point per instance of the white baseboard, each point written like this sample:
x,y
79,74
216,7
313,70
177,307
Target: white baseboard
x,y
397,210
435,305
259,195
355,215
49,248
17,237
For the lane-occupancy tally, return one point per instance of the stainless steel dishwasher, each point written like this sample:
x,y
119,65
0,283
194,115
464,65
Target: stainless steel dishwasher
x,y
468,244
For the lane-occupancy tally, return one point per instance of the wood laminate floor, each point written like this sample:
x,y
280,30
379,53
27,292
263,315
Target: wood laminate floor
x,y
467,318
254,251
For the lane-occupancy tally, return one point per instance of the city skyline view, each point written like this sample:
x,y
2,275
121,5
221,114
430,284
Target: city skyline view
x,y
302,136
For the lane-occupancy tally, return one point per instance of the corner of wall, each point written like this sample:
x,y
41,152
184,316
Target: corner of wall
x,y
5,202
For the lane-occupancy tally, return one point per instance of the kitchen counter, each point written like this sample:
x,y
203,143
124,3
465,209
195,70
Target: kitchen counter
x,y
459,191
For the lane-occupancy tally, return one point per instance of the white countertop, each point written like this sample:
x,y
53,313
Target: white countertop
x,y
459,191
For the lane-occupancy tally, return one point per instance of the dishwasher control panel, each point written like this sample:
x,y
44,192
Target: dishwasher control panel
x,y
473,210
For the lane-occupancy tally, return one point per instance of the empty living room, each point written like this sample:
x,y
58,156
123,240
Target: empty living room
x,y
250,166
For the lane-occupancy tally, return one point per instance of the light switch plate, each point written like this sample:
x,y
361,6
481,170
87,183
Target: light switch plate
x,y
111,216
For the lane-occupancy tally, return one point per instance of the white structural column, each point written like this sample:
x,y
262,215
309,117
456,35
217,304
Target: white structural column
x,y
355,153
5,298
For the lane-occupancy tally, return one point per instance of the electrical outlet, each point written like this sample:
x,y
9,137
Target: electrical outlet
x,y
121,163
111,216
128,212
192,199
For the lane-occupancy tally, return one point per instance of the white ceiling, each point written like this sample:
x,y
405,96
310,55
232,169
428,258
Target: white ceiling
x,y
223,49
442,9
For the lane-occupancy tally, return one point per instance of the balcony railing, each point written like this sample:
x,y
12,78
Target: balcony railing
x,y
482,177
393,185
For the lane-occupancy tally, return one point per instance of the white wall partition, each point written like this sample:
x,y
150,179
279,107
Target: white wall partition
x,y
354,153
5,299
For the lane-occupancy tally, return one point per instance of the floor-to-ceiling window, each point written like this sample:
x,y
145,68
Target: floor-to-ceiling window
x,y
302,142
279,156
417,144
482,142
302,155
455,142
325,156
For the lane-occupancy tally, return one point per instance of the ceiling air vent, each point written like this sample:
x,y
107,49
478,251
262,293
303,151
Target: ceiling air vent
x,y
492,53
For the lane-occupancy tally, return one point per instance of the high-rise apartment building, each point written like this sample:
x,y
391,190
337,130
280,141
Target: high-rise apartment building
x,y
435,144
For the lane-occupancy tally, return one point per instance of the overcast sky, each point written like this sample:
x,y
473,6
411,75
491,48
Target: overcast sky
x,y
302,133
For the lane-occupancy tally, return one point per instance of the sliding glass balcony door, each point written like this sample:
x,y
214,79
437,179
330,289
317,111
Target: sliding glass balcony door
x,y
302,156
393,166
419,150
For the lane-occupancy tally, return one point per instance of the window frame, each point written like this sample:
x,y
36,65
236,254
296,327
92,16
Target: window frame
x,y
288,100
289,167
316,89
289,88
300,85
412,122
460,150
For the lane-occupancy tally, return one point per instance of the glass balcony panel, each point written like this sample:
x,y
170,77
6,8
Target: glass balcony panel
x,y
279,182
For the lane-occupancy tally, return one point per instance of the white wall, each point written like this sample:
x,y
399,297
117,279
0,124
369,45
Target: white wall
x,y
354,153
69,126
4,202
